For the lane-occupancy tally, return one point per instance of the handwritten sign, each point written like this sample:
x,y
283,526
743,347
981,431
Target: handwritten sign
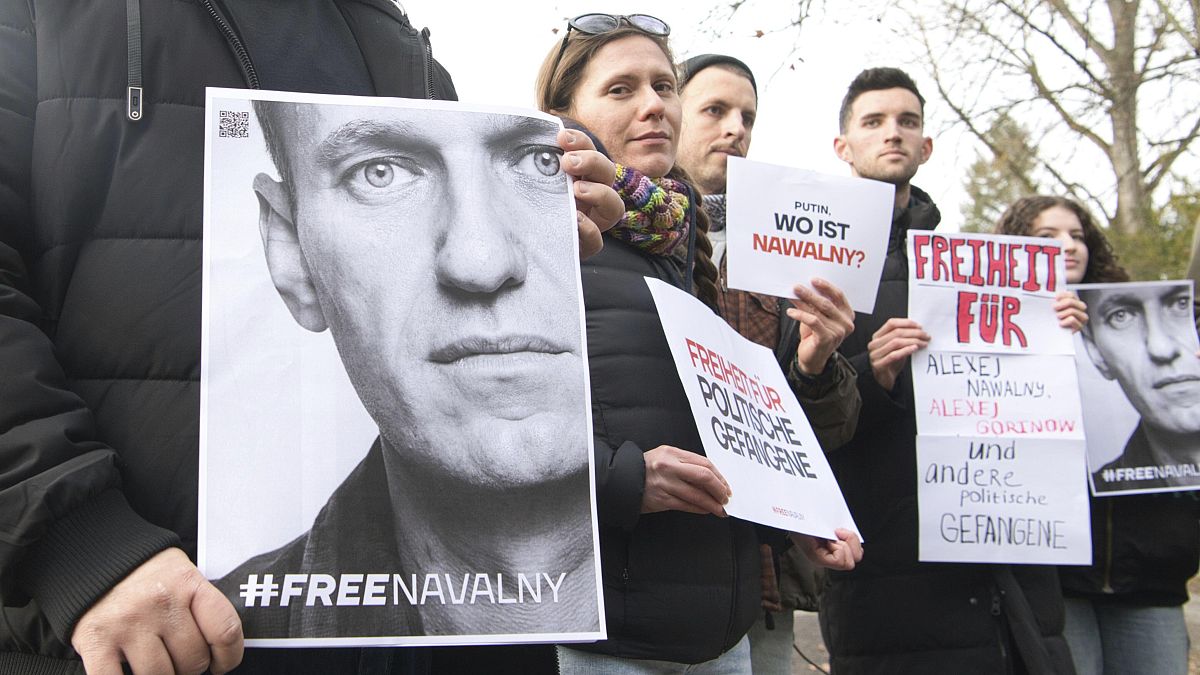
x,y
786,226
988,500
996,395
1000,450
750,422
988,293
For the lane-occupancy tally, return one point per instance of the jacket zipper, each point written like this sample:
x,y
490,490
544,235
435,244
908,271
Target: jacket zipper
x,y
1001,631
134,94
427,63
733,584
235,43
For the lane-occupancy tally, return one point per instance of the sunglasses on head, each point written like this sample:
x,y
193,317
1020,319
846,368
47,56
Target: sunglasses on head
x,y
599,24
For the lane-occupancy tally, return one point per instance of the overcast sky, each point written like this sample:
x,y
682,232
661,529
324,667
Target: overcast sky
x,y
493,51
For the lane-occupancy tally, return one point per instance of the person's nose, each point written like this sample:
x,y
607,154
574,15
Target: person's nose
x,y
891,130
733,128
1160,344
479,250
651,104
1068,242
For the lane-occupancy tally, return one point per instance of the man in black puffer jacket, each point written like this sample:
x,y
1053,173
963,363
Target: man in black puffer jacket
x,y
101,159
892,613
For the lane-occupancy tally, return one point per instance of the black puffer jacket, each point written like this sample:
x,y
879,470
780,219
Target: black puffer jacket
x,y
677,586
1144,550
100,251
893,614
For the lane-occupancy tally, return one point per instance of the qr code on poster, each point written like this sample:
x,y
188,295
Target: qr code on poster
x,y
234,124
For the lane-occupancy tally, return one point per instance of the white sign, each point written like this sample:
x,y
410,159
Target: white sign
x,y
996,395
1000,433
987,293
786,226
1009,500
389,454
751,425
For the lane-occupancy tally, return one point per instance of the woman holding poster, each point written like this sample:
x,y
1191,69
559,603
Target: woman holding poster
x,y
1124,612
681,578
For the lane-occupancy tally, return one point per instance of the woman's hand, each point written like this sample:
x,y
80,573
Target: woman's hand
x,y
678,480
839,554
599,205
825,320
1071,311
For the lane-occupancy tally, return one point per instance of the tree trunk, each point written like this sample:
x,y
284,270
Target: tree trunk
x,y
1132,201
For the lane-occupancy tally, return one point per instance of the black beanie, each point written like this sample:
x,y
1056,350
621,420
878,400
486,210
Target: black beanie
x,y
689,68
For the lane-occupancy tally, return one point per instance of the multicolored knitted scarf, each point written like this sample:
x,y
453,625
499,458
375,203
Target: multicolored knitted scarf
x,y
656,211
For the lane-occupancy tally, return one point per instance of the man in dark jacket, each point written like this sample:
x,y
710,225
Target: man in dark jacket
x,y
101,145
893,613
720,103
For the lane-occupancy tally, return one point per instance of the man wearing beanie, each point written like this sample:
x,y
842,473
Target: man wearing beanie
x,y
720,103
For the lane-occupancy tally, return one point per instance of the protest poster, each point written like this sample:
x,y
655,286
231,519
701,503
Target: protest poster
x,y
787,225
981,502
389,454
987,293
1141,377
750,422
1000,429
996,395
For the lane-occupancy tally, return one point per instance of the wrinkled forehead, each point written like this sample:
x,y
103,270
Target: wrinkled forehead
x,y
317,134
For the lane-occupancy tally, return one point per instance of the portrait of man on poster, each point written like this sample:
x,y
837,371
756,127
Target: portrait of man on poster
x,y
437,248
1143,336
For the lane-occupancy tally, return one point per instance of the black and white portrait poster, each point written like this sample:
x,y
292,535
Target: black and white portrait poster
x,y
1139,376
395,419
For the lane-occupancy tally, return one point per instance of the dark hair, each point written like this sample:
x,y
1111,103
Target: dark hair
x,y
1102,264
876,79
555,93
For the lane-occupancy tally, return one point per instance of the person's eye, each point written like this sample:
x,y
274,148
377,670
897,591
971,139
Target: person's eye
x,y
618,90
380,173
540,160
748,121
908,123
714,110
664,87
870,124
1180,305
1119,318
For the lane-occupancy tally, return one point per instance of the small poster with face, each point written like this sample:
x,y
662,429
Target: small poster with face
x,y
750,422
395,441
1140,378
787,225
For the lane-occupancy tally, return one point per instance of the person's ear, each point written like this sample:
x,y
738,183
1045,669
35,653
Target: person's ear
x,y
842,149
285,260
1094,354
926,149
